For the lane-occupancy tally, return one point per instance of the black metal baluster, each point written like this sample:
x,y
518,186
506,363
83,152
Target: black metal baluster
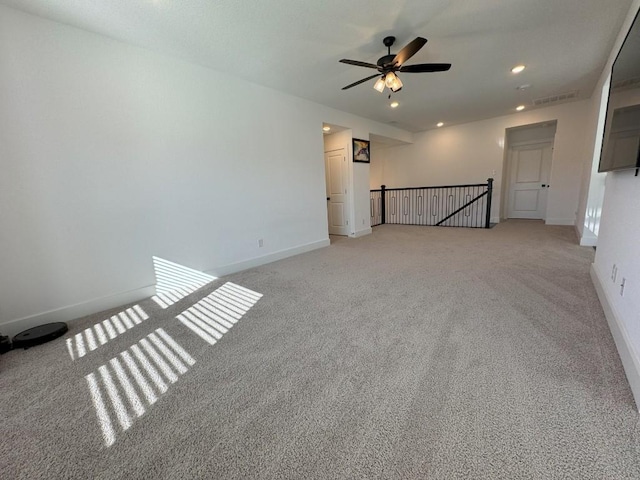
x,y
446,203
414,208
382,205
474,208
476,222
489,192
456,205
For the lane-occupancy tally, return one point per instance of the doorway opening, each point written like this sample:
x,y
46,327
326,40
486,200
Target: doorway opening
x,y
337,142
527,170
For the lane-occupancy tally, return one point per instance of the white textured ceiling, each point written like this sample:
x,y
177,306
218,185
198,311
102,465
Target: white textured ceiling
x,y
295,45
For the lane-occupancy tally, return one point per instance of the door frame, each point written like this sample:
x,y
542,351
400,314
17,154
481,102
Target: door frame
x,y
347,178
506,172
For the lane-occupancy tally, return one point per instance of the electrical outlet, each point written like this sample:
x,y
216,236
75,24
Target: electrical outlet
x,y
624,280
260,243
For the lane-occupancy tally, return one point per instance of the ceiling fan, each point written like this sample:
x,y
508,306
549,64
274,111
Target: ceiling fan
x,y
388,65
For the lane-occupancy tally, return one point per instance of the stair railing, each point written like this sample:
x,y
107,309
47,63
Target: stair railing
x,y
446,205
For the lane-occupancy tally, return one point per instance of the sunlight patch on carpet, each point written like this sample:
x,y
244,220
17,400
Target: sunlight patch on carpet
x,y
216,313
123,388
101,333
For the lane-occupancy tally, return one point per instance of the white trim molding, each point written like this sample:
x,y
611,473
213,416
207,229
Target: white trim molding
x,y
268,258
560,221
362,233
588,238
79,310
72,312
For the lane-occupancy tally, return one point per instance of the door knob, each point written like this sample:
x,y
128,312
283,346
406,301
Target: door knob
x,y
328,198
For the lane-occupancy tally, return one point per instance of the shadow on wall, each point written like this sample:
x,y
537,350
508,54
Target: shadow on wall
x,y
174,281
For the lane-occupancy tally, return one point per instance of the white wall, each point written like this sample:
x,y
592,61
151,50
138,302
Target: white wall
x,y
473,152
592,185
619,244
592,197
376,167
361,200
110,154
533,133
335,141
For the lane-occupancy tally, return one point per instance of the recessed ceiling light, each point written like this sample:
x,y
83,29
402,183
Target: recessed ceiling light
x,y
520,108
517,69
326,128
394,104
439,124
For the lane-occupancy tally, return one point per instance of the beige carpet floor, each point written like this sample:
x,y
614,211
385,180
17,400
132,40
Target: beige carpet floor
x,y
415,352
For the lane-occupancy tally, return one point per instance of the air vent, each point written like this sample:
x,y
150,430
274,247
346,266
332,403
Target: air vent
x,y
628,83
561,97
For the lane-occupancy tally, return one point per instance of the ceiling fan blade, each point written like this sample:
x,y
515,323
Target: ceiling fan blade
x,y
409,51
426,67
361,81
358,64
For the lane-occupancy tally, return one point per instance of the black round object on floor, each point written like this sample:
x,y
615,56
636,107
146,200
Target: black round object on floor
x,y
40,334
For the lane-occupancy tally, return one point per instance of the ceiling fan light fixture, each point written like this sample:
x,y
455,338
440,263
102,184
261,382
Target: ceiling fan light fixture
x,y
395,84
379,85
389,79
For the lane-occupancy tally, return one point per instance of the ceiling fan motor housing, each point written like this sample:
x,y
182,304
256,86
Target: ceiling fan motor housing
x,y
386,60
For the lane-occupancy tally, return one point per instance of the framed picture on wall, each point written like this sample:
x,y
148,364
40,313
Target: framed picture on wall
x,y
361,150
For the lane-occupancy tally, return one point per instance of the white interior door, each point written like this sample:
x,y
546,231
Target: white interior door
x,y
529,166
337,180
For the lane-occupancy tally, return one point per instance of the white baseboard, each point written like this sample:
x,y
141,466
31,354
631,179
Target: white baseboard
x,y
588,238
628,354
362,233
71,312
560,221
270,257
